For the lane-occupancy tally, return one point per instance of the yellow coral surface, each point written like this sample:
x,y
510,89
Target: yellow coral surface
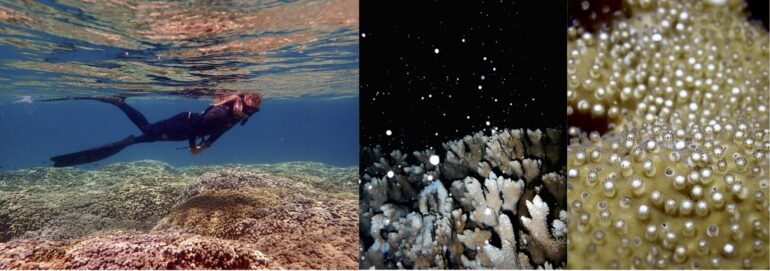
x,y
678,175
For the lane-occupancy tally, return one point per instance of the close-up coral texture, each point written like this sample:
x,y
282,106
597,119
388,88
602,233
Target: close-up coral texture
x,y
488,200
669,139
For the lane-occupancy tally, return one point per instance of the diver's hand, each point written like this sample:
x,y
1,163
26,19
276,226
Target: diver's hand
x,y
197,149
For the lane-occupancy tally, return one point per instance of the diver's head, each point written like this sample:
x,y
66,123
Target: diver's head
x,y
251,102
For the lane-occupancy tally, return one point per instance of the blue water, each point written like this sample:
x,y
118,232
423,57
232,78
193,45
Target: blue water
x,y
171,57
301,129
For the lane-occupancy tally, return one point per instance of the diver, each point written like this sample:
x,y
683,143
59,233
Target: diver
x,y
209,125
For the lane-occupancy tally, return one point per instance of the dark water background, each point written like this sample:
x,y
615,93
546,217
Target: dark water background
x,y
300,129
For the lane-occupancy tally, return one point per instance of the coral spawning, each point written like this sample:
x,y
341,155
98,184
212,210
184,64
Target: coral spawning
x,y
485,201
668,115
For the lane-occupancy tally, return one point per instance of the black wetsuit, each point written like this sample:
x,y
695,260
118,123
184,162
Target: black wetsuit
x,y
208,125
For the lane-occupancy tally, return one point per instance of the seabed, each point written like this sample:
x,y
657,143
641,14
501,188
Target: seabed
x,y
150,215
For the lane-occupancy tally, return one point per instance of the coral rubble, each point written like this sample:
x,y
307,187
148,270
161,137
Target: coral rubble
x,y
669,139
147,214
483,201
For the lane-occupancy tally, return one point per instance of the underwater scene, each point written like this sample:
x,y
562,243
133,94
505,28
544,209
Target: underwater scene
x,y
179,135
463,162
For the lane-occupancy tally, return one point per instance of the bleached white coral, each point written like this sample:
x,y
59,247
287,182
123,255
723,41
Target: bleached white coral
x,y
486,205
420,238
536,225
485,208
536,146
531,168
559,228
505,256
424,158
377,191
538,228
423,223
475,238
511,193
557,185
434,197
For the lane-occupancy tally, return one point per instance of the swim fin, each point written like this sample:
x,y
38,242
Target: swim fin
x,y
92,155
107,99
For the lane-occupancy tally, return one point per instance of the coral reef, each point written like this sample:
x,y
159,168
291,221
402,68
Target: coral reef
x,y
297,220
300,226
478,203
669,139
51,203
141,251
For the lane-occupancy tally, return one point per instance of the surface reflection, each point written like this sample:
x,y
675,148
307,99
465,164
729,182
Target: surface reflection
x,y
280,48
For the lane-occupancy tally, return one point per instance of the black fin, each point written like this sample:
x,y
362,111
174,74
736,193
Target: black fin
x,y
92,155
106,99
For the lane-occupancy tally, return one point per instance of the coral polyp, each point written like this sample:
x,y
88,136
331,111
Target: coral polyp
x,y
669,138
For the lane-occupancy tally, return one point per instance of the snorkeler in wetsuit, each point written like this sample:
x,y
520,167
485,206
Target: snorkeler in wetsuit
x,y
208,125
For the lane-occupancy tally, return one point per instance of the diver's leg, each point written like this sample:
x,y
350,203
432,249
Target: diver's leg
x,y
135,116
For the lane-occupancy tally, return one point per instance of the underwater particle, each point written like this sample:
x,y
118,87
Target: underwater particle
x,y
388,132
434,159
657,37
390,174
435,51
480,87
363,35
488,123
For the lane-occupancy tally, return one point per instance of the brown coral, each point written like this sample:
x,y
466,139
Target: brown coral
x,y
293,223
668,161
143,251
297,220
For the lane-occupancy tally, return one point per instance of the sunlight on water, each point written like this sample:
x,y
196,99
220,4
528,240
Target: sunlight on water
x,y
279,48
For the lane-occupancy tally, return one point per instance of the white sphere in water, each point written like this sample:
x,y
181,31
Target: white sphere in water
x,y
390,174
434,159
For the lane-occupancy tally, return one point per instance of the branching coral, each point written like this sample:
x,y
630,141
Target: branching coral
x,y
668,159
538,226
440,215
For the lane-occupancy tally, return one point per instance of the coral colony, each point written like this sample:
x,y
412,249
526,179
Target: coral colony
x,y
485,201
150,215
669,133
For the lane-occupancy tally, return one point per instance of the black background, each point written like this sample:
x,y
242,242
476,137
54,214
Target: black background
x,y
409,89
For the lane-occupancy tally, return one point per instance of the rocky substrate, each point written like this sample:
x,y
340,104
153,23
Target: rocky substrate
x,y
150,215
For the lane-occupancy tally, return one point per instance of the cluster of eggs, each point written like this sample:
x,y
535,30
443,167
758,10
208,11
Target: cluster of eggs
x,y
668,156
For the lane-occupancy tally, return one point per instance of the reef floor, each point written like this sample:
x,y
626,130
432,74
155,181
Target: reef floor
x,y
150,215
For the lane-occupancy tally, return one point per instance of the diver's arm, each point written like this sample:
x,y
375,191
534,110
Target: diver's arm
x,y
193,148
206,144
210,140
